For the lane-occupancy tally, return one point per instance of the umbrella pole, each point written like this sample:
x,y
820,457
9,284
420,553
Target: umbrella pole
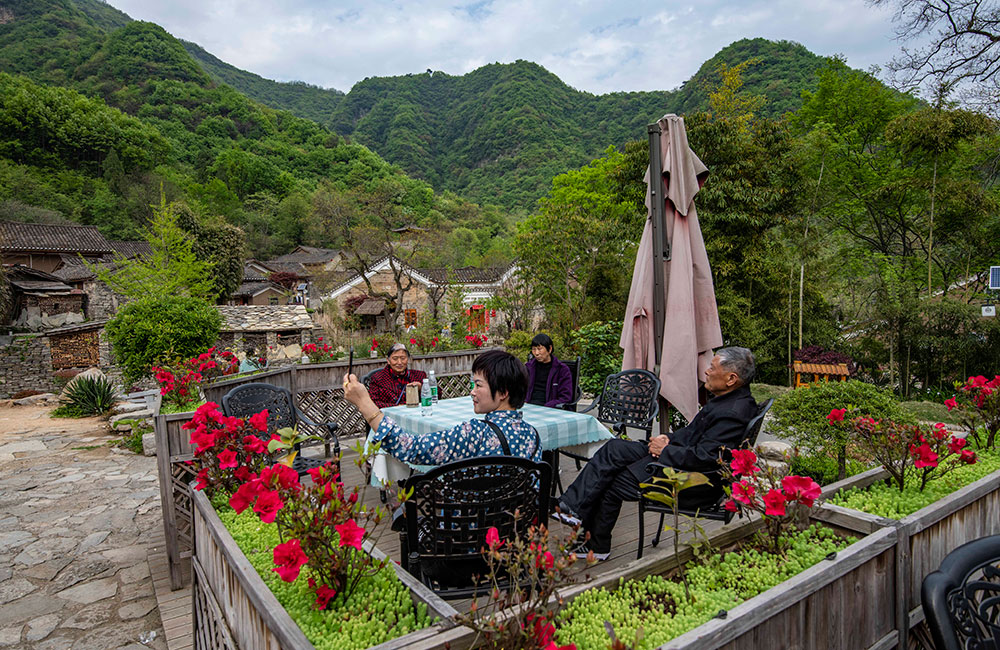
x,y
661,253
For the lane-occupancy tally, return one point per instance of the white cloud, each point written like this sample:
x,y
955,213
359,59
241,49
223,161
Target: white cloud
x,y
596,45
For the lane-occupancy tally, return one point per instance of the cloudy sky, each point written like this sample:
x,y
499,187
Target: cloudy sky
x,y
595,45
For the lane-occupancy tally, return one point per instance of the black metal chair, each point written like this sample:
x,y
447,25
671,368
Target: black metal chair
x,y
452,508
574,371
962,598
250,399
627,400
698,495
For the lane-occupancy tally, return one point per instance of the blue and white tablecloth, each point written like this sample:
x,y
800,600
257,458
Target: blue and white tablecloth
x,y
556,428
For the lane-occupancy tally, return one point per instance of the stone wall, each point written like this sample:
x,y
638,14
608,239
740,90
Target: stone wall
x,y
26,364
102,302
41,305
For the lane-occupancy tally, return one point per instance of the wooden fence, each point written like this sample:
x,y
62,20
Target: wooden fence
x,y
318,392
925,537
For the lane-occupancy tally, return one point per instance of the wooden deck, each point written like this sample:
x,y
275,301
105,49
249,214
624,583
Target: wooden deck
x,y
175,607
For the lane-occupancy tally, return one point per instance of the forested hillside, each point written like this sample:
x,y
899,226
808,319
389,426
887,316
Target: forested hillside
x,y
102,113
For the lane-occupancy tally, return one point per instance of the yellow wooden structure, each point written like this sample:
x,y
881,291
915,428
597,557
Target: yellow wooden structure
x,y
819,372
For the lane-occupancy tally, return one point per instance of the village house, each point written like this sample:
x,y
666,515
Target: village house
x,y
316,268
426,297
257,289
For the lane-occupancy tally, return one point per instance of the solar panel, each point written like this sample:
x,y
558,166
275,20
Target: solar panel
x,y
995,277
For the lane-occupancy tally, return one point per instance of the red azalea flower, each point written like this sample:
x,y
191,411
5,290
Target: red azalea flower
x,y
800,488
923,456
259,421
202,477
774,502
255,444
244,496
350,534
227,459
289,558
836,415
244,474
413,341
978,381
267,506
279,475
545,560
743,492
967,456
951,403
955,444
744,462
731,506
203,438
324,595
493,538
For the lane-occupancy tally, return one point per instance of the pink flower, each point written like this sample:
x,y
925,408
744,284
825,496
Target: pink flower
x,y
836,415
800,488
774,502
744,462
493,538
289,559
259,421
923,456
227,459
743,492
350,533
951,403
267,506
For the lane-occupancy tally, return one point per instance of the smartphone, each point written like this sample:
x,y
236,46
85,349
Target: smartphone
x,y
350,363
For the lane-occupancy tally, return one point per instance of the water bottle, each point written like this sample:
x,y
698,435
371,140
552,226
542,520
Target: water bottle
x,y
472,383
426,406
432,380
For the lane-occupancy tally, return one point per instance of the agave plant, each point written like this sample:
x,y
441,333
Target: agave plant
x,y
89,396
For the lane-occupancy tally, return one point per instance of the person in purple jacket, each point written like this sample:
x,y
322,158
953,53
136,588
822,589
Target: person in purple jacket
x,y
550,382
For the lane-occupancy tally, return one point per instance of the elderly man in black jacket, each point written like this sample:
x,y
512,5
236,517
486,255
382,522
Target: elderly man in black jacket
x,y
614,473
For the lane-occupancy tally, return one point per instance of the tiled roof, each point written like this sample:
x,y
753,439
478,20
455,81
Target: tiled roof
x,y
264,318
130,249
253,288
307,255
50,238
370,307
73,271
250,274
466,275
292,267
41,286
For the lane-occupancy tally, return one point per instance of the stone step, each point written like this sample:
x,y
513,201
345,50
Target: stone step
x,y
134,415
129,407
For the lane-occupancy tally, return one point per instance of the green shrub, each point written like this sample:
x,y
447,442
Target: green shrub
x,y
597,345
149,331
821,468
87,396
800,416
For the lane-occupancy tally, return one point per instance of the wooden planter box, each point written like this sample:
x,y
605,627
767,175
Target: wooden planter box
x,y
234,609
925,537
846,602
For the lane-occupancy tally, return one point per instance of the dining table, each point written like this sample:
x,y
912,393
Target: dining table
x,y
558,429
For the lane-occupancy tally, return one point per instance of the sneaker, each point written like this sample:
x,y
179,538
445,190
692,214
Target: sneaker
x,y
583,551
566,518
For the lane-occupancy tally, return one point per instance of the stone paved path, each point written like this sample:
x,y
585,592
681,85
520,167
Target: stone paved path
x,y
77,521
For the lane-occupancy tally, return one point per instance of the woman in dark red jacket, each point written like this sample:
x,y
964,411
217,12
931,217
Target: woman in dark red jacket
x,y
550,382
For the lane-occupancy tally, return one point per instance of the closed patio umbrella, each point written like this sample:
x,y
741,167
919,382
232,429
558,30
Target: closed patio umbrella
x,y
671,319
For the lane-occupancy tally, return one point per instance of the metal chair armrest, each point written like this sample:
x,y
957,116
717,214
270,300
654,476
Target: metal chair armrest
x,y
592,406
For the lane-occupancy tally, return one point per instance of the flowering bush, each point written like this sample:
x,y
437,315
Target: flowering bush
x,y
983,396
908,450
228,451
477,340
519,617
319,351
758,488
180,380
381,344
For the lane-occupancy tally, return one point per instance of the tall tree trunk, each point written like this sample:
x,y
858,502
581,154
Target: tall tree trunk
x,y
930,238
805,237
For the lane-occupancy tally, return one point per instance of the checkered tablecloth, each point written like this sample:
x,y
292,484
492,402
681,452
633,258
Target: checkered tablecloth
x,y
556,428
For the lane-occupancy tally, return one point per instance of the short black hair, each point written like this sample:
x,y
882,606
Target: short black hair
x,y
544,340
504,373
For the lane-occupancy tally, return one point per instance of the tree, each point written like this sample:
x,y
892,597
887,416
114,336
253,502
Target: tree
x,y
172,270
963,50
160,329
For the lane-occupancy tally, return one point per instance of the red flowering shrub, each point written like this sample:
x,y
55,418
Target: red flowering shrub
x,y
982,396
228,450
519,617
179,381
477,340
319,352
910,451
758,488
